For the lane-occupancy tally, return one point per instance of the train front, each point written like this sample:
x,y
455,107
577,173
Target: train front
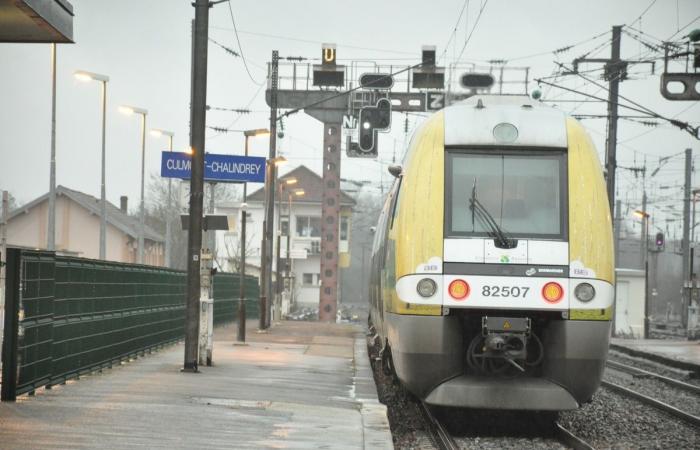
x,y
500,255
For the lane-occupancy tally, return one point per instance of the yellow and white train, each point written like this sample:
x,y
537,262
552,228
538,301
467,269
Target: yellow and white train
x,y
492,264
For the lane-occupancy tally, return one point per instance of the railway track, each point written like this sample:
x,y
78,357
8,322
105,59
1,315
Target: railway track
x,y
445,441
647,374
658,404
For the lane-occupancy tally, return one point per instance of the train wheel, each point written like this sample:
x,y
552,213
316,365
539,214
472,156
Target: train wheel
x,y
388,362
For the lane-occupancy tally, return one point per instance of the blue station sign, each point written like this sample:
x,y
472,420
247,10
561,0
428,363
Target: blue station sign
x,y
222,168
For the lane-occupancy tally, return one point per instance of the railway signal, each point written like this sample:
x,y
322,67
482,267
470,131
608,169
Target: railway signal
x,y
660,241
373,119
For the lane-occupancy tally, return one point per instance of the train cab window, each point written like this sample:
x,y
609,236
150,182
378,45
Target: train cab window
x,y
523,191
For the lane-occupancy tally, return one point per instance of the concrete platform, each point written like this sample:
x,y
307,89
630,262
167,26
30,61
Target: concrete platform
x,y
300,385
682,354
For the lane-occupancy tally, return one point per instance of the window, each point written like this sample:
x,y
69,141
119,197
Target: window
x,y
284,226
311,279
524,192
315,248
344,228
308,226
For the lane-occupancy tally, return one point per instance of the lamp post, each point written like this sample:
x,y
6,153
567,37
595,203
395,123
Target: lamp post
x,y
143,112
288,265
168,230
103,79
266,258
241,269
645,234
283,184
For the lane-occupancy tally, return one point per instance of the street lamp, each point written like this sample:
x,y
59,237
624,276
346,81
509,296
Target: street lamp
x,y
284,182
241,284
288,265
644,216
103,79
157,132
130,110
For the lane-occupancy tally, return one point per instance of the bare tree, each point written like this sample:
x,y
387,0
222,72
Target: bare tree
x,y
365,216
158,213
230,256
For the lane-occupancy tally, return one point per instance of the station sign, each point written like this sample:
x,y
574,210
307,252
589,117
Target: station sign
x,y
217,168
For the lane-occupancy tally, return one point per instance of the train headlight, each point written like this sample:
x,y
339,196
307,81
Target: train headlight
x,y
426,287
459,289
552,292
505,133
584,292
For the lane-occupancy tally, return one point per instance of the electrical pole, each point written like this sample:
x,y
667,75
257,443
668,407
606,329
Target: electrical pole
x,y
267,246
687,276
616,229
614,71
197,129
3,251
51,238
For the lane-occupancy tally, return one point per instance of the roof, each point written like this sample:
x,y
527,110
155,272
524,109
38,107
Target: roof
x,y
125,223
310,182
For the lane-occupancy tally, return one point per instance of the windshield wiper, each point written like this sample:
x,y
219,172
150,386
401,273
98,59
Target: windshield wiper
x,y
480,212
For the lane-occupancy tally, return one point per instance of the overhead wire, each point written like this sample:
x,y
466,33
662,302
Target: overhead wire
x,y
454,30
240,47
476,23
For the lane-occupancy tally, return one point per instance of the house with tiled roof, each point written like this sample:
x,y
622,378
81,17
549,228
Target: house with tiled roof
x,y
78,228
300,218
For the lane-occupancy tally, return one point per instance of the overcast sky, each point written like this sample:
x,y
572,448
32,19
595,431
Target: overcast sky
x,y
144,47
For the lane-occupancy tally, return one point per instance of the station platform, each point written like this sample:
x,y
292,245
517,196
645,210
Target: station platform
x,y
299,385
682,354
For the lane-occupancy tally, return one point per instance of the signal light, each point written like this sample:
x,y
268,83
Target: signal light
x,y
328,73
660,241
552,292
373,119
376,81
459,289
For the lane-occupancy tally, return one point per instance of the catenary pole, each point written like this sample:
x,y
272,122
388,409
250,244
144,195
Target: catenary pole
x,y
194,237
51,238
266,282
685,245
613,92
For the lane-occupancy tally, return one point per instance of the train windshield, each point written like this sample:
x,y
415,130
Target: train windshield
x,y
523,192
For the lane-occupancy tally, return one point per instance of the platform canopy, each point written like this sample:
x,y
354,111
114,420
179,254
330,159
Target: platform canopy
x,y
36,21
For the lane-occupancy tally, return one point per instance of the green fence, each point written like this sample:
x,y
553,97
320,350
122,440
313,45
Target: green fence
x,y
66,316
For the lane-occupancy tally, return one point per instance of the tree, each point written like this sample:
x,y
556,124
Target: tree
x,y
13,204
364,218
229,257
158,213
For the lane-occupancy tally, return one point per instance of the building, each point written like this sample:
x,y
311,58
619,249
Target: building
x,y
78,228
630,287
304,221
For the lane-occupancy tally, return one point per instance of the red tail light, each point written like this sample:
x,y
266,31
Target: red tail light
x,y
459,289
552,292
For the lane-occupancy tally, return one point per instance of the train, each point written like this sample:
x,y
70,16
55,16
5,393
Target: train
x,y
492,266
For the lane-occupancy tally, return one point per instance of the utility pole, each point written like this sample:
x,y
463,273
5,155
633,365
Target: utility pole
x,y
51,238
645,264
270,182
685,246
3,253
614,71
616,229
197,129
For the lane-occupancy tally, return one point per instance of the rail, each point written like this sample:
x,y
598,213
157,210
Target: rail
x,y
695,420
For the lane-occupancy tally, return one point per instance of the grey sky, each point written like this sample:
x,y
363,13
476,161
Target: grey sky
x,y
144,47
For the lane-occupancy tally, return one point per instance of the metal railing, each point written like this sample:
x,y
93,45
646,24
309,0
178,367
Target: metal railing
x,y
67,316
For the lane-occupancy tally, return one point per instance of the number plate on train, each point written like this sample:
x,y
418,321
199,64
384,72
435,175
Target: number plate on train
x,y
504,291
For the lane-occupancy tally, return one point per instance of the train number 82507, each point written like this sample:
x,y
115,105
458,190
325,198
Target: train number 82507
x,y
504,291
